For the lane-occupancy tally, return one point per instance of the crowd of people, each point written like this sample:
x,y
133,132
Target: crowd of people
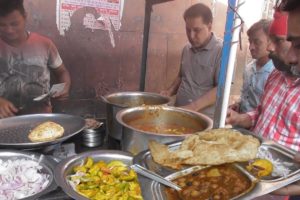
x,y
270,97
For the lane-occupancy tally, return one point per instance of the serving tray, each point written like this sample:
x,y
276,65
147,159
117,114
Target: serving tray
x,y
155,191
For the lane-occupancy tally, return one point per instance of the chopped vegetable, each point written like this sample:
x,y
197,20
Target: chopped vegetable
x,y
21,178
105,181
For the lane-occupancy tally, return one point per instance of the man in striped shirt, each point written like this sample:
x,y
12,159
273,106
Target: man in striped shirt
x,y
278,115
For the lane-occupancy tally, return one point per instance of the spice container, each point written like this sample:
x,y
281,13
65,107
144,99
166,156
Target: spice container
x,y
94,133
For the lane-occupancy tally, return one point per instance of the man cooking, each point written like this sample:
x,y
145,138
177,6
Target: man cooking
x,y
26,60
196,84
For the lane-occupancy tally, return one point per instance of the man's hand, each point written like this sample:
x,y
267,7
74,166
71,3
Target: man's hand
x,y
62,76
292,189
7,109
61,95
232,117
235,107
165,93
237,119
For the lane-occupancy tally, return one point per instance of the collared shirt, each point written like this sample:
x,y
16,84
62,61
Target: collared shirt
x,y
278,116
199,71
253,84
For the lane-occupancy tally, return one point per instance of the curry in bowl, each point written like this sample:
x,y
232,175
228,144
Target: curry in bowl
x,y
163,120
221,182
172,129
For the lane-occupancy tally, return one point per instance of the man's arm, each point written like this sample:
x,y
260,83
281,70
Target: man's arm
x,y
208,99
236,119
62,76
172,90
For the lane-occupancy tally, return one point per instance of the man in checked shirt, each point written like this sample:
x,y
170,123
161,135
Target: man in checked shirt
x,y
278,115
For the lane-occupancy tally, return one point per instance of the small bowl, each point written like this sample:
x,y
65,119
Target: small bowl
x,y
94,137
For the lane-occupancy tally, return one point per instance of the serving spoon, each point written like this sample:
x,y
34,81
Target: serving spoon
x,y
149,174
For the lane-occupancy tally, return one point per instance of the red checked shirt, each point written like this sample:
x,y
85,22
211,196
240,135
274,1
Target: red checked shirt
x,y
278,115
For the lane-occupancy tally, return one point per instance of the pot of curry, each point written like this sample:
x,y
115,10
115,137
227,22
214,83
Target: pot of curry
x,y
120,100
162,123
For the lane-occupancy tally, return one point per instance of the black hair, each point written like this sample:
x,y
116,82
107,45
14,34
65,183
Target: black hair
x,y
262,24
8,6
290,5
199,10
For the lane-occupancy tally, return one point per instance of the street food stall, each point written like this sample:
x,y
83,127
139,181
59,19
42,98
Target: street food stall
x,y
163,152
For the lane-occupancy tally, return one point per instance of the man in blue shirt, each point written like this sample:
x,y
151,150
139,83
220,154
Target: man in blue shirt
x,y
257,71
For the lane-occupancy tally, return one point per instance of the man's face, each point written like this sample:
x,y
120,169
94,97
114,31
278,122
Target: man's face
x,y
197,31
293,55
12,26
279,53
259,44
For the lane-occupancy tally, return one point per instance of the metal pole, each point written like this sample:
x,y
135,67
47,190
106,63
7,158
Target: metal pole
x,y
226,70
147,19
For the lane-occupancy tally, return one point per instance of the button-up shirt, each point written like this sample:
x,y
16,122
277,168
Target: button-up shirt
x,y
253,84
278,115
199,73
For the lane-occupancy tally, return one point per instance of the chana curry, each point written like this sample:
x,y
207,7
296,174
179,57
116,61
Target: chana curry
x,y
105,181
218,183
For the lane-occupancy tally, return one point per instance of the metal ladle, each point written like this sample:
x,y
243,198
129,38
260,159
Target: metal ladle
x,y
149,174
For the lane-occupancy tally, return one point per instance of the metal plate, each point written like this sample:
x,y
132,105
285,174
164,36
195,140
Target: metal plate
x,y
264,186
14,130
65,167
46,162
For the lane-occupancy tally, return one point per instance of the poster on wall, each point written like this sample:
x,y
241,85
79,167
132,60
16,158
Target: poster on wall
x,y
107,15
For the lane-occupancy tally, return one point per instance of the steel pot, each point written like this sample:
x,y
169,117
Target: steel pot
x,y
135,137
118,101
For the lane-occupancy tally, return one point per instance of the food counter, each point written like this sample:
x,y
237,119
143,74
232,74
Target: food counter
x,y
72,151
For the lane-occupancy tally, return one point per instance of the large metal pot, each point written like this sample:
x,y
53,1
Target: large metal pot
x,y
118,101
135,137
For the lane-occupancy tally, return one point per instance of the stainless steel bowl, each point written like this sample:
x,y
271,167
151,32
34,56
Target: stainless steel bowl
x,y
65,167
117,101
94,137
46,162
136,140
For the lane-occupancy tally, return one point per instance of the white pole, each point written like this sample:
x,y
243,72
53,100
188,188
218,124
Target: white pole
x,y
230,68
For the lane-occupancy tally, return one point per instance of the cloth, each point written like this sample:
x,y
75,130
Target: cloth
x,y
199,70
24,71
253,84
279,24
278,115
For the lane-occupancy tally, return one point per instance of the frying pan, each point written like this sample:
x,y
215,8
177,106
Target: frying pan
x,y
14,130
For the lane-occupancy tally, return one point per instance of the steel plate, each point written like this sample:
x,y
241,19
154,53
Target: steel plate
x,y
153,190
46,162
14,130
66,166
